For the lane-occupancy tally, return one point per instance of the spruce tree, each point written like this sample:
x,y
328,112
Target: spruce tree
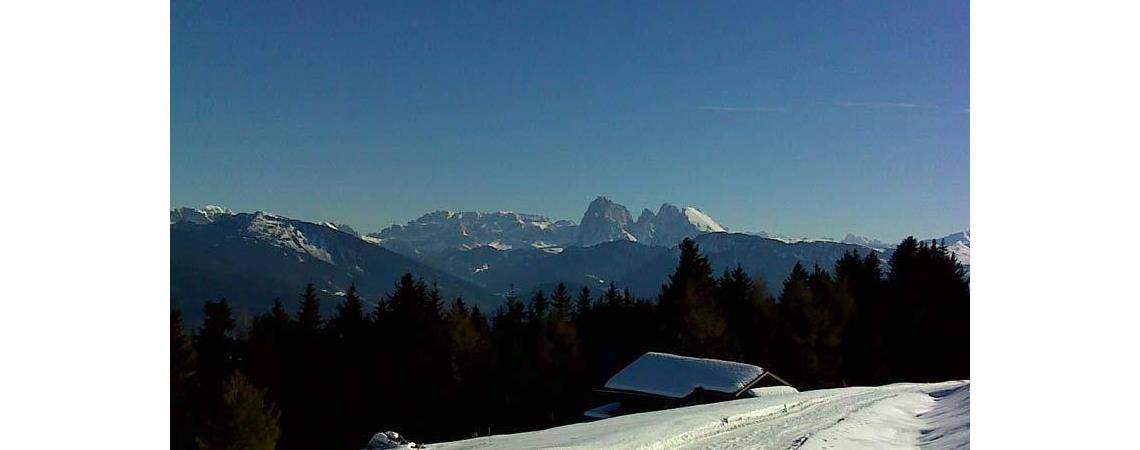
x,y
278,315
182,379
613,298
691,322
244,420
309,313
801,320
582,303
537,308
740,304
562,302
215,347
349,318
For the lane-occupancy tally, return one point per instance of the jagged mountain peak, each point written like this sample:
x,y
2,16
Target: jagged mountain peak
x,y
604,221
203,215
441,230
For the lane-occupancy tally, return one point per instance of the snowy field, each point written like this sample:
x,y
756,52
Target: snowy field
x,y
927,416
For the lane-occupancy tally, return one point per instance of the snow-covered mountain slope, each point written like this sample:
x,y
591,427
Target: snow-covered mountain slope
x,y
959,245
925,416
252,258
200,216
866,242
604,221
441,230
672,224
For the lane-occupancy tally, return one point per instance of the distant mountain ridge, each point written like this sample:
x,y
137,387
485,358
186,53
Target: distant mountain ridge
x,y
252,258
603,221
504,230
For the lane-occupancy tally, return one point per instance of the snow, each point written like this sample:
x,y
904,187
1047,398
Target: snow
x,y
768,391
677,376
604,411
702,221
207,214
497,245
283,234
928,416
388,440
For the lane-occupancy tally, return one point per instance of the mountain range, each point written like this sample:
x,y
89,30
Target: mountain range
x,y
604,221
252,258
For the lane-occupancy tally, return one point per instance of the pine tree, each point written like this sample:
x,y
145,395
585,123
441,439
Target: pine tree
x,y
740,302
582,303
800,328
349,318
537,308
244,420
861,279
182,379
562,302
278,314
308,361
465,338
691,323
613,297
309,313
215,347
270,345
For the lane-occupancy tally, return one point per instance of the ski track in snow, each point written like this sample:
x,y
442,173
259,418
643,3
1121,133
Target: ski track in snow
x,y
934,416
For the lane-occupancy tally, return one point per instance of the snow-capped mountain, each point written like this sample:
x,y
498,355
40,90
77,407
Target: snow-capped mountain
x,y
199,216
251,258
671,224
504,230
866,242
604,221
959,245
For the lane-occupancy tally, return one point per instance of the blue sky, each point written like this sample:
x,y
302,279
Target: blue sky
x,y
802,118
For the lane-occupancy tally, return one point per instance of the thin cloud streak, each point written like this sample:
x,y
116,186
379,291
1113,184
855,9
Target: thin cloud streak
x,y
741,109
872,104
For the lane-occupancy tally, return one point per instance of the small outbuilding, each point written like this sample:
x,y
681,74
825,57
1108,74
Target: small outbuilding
x,y
657,381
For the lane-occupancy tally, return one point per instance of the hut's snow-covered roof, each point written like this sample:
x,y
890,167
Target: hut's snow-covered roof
x,y
677,376
604,411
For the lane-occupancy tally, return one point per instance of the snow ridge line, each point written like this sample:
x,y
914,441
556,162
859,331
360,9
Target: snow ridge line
x,y
732,423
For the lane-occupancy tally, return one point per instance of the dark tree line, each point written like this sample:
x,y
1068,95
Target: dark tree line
x,y
437,370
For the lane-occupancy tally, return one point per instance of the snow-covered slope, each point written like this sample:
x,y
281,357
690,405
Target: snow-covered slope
x,y
672,224
702,221
443,230
928,416
251,258
959,245
199,216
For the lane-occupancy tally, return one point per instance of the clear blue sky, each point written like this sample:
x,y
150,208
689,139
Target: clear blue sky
x,y
803,118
